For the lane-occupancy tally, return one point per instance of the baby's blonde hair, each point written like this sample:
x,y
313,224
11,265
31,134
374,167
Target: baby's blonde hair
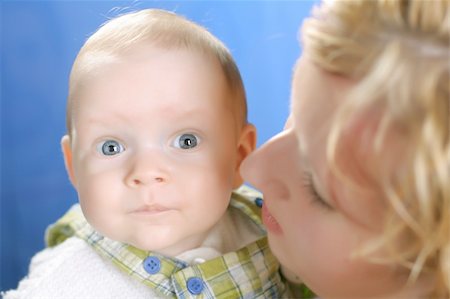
x,y
155,27
398,52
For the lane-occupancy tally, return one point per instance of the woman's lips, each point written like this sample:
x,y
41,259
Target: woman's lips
x,y
270,222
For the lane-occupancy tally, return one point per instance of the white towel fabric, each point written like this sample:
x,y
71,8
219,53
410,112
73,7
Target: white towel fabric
x,y
74,270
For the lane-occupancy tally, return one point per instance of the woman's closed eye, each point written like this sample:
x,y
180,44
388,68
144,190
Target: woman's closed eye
x,y
316,198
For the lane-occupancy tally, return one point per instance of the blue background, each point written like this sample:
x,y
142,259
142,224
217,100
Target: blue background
x,y
39,41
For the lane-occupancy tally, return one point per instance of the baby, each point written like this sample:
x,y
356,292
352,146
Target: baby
x,y
157,130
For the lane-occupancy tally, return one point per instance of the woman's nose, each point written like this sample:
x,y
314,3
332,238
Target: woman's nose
x,y
272,167
264,163
147,168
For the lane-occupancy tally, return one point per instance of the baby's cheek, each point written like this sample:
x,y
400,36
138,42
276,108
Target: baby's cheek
x,y
220,169
98,192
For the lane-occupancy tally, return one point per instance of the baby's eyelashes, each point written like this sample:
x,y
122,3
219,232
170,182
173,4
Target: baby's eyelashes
x,y
186,141
110,148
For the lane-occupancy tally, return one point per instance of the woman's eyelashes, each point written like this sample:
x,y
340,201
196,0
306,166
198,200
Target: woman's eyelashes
x,y
308,183
186,141
110,147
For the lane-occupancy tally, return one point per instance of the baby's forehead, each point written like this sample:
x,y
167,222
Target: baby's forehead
x,y
94,60
163,74
94,66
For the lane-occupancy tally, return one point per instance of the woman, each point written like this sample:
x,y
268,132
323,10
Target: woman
x,y
356,188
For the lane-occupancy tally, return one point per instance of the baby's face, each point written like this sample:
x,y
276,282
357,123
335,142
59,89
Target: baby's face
x,y
154,148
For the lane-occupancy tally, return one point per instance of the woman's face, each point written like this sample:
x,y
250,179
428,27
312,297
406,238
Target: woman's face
x,y
315,222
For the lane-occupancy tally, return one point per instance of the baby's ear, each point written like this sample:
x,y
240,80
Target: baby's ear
x,y
67,152
246,145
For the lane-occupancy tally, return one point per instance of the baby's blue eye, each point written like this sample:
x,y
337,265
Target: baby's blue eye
x,y
110,148
186,141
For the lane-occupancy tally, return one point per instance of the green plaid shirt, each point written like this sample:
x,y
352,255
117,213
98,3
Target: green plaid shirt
x,y
250,272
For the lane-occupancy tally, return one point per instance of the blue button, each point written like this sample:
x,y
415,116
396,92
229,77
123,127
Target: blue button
x,y
152,264
259,201
195,285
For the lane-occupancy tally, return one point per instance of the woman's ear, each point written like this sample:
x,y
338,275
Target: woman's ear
x,y
67,152
246,145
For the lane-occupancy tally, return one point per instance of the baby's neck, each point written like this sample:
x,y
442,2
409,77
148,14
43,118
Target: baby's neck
x,y
212,238
185,245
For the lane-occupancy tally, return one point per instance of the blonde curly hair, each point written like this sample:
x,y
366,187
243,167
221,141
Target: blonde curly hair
x,y
398,52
